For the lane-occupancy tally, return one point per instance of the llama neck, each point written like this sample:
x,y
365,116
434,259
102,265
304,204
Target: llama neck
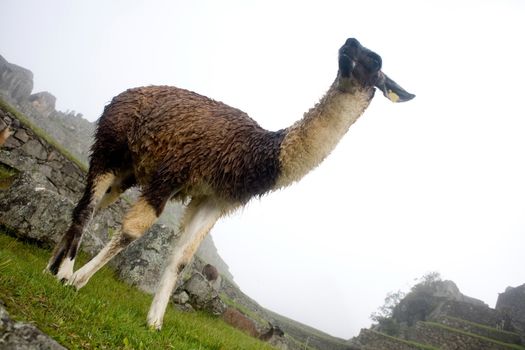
x,y
311,139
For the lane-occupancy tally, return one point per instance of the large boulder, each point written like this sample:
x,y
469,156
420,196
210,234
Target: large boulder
x,y
23,336
43,102
201,294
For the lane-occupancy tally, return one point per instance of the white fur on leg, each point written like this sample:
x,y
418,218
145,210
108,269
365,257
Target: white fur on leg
x,y
65,271
193,233
82,275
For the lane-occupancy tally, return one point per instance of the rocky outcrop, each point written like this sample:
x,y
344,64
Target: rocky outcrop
x,y
23,336
512,304
426,297
15,81
43,102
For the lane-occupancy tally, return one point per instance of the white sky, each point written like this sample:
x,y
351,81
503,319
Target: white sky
x,y
436,184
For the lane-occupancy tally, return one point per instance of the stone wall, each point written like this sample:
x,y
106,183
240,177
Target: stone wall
x,y
481,314
488,332
379,341
447,338
28,152
38,203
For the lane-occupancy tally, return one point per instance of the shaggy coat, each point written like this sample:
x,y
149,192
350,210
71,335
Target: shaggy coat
x,y
177,144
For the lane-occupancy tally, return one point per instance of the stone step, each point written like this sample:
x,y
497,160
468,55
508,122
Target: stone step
x,y
479,329
448,338
373,340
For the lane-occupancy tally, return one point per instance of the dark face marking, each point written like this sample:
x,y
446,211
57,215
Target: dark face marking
x,y
359,65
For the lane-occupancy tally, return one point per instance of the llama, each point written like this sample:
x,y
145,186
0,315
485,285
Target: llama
x,y
176,144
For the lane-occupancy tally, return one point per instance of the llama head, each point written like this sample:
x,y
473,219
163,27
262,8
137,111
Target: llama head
x,y
360,67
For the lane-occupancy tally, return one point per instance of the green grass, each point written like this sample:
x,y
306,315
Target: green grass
x,y
408,342
451,329
106,314
41,133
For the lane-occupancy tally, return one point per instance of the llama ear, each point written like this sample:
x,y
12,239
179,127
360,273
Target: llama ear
x,y
392,90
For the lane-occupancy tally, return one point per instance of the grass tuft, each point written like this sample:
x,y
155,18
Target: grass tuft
x,y
106,314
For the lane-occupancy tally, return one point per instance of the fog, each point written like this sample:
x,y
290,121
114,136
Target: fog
x,y
434,184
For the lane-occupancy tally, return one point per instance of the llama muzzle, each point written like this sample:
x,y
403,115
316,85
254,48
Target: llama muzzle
x,y
391,89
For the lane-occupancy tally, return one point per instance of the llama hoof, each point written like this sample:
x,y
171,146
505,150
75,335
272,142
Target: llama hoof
x,y
65,270
154,325
76,280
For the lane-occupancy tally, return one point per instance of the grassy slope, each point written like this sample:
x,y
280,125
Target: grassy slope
x,y
106,314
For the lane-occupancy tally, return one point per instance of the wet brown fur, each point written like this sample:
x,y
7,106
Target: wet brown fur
x,y
177,142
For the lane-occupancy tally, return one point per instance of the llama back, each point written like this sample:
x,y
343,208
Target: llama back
x,y
209,147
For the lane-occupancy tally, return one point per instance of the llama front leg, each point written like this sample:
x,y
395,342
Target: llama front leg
x,y
138,219
199,218
63,257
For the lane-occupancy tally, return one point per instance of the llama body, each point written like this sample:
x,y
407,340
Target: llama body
x,y
176,144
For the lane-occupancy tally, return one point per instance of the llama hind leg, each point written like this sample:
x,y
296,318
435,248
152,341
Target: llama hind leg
x,y
119,186
63,257
199,218
138,219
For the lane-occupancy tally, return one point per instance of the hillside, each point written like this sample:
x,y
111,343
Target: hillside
x,y
435,315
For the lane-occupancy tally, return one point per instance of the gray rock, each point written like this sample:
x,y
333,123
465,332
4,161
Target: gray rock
x,y
449,290
21,135
202,295
23,336
44,102
181,298
35,149
34,209
142,262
